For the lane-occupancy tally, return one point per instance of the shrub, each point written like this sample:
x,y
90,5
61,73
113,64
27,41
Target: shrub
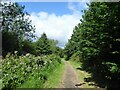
x,y
18,69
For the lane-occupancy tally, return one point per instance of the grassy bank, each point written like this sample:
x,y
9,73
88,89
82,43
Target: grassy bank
x,y
82,75
55,77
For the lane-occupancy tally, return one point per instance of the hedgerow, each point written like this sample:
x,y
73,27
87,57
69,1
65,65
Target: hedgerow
x,y
16,70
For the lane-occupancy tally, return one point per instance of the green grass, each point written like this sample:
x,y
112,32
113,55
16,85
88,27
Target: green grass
x,y
32,83
0,76
82,74
0,84
55,78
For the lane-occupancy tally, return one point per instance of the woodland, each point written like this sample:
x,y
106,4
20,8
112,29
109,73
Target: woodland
x,y
28,60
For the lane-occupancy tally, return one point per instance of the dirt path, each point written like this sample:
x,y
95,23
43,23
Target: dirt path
x,y
70,78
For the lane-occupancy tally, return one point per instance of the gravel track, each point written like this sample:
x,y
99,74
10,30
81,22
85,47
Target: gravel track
x,y
70,78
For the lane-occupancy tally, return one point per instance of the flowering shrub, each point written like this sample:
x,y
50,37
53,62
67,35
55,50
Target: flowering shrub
x,y
18,69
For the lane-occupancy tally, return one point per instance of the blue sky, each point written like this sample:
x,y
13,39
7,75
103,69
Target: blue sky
x,y
56,19
59,8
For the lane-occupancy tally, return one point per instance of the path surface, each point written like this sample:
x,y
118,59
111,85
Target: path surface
x,y
70,78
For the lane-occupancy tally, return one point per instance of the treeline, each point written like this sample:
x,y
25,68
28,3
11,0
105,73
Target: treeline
x,y
96,40
43,46
27,60
18,34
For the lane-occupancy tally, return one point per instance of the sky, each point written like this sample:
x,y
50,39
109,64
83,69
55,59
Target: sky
x,y
56,19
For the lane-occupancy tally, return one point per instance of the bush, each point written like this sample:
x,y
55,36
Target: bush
x,y
18,69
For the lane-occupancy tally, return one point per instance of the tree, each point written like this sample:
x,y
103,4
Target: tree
x,y
15,26
53,45
60,52
29,47
97,39
73,44
43,45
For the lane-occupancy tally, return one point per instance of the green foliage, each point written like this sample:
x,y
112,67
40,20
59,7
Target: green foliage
x,y
18,33
16,70
75,57
73,44
97,40
53,44
43,45
55,76
15,27
59,51
9,42
46,46
29,47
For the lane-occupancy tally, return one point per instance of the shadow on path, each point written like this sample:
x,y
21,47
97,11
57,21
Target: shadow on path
x,y
70,78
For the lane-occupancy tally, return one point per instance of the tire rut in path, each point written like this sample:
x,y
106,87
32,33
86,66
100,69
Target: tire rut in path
x,y
70,78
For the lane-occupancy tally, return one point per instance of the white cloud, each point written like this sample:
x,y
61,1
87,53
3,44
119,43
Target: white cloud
x,y
56,27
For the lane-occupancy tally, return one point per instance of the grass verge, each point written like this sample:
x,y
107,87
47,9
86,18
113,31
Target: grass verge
x,y
0,84
82,75
52,81
55,77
